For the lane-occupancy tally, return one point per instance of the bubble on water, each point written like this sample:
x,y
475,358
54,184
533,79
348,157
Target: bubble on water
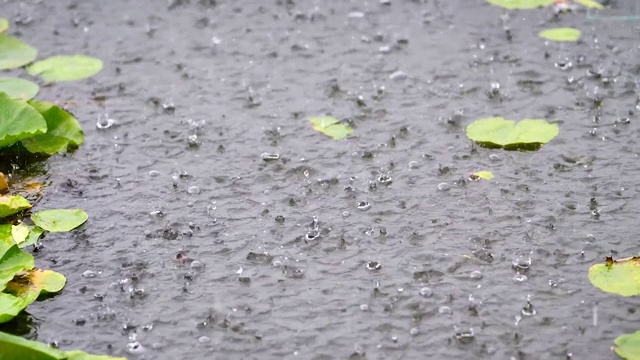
x,y
443,186
196,264
494,157
104,121
364,205
204,339
364,307
445,310
426,292
168,106
346,214
270,156
414,331
135,348
519,278
154,173
356,15
465,336
521,264
398,76
475,275
413,165
385,179
373,265
312,235
386,49
89,274
193,190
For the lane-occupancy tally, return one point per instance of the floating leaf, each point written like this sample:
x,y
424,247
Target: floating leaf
x,y
25,288
18,120
527,134
331,127
628,346
5,237
15,347
560,34
487,175
66,68
59,220
590,3
4,25
521,4
19,233
12,261
10,205
34,235
14,53
63,131
620,276
19,88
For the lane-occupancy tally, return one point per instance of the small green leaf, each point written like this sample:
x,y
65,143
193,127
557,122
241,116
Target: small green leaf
x,y
628,346
521,4
66,68
487,175
590,4
25,288
331,127
560,34
34,235
19,233
620,277
14,53
19,88
499,132
15,347
18,121
4,25
10,205
63,131
12,262
59,220
6,239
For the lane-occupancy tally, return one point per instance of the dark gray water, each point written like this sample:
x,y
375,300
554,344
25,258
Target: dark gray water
x,y
186,255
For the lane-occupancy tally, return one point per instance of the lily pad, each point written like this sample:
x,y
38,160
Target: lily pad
x,y
497,132
63,131
66,68
331,127
15,53
19,233
521,4
620,276
12,261
4,25
590,4
25,288
561,34
10,205
18,121
486,175
19,88
15,347
59,220
628,346
34,235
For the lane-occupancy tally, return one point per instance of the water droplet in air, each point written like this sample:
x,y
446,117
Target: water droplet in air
x,y
105,122
528,309
193,140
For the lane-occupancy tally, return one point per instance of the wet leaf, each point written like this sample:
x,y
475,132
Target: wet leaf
x,y
521,4
487,175
10,205
63,131
628,346
15,53
15,347
4,184
34,235
19,88
560,34
620,277
12,261
527,134
36,281
590,3
331,127
66,68
18,121
19,233
59,220
81,355
4,25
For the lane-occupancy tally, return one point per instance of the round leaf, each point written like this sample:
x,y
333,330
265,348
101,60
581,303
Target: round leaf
x,y
12,262
66,68
620,277
63,131
59,220
19,88
499,132
14,53
521,4
628,346
561,34
331,127
4,25
18,121
10,205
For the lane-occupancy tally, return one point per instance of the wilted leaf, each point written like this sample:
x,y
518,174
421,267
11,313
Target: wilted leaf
x,y
4,25
63,130
620,277
628,346
331,127
66,68
15,347
12,261
521,4
590,3
19,88
4,185
10,205
499,132
14,53
18,120
59,220
561,34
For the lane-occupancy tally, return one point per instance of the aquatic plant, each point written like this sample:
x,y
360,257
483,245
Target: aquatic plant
x,y
498,132
331,127
560,34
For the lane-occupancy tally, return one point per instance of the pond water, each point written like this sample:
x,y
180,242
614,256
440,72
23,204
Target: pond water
x,y
203,244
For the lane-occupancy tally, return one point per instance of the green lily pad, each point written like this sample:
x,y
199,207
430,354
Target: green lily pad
x,y
10,205
497,132
628,346
486,175
59,220
19,233
15,347
18,121
590,4
5,235
66,68
13,261
63,131
620,276
19,88
331,127
25,288
15,53
4,25
561,34
521,4
15,235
